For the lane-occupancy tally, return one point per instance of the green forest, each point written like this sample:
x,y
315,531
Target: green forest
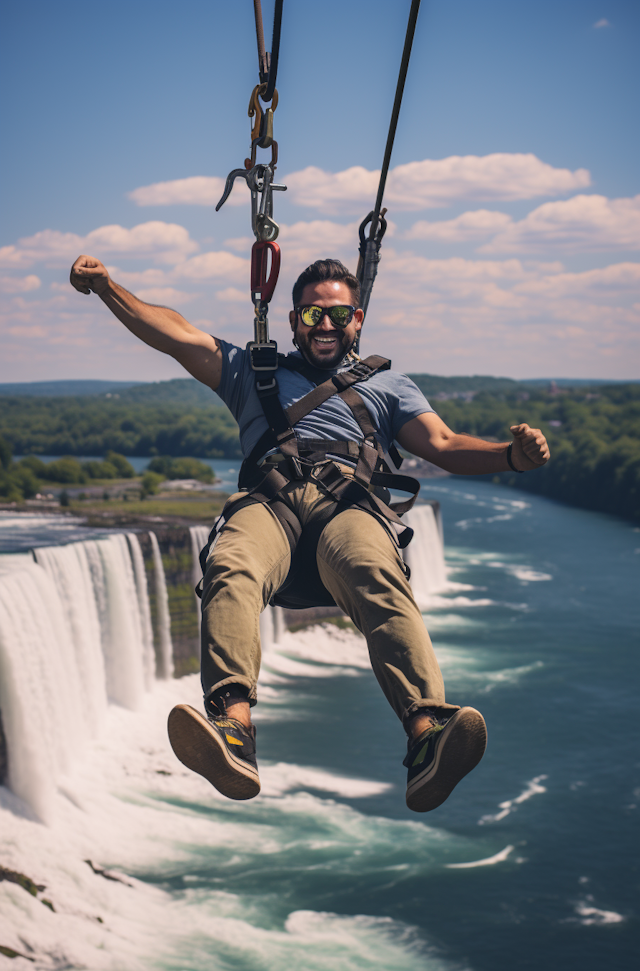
x,y
593,432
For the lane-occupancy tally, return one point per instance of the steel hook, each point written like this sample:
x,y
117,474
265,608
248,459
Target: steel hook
x,y
231,178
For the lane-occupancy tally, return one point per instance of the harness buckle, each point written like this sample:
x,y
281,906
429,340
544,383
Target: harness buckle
x,y
263,356
296,465
361,370
263,386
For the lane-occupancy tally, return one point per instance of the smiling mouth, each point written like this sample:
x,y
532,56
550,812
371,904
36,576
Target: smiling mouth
x,y
325,340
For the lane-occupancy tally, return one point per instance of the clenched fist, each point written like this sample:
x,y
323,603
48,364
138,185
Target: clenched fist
x,y
530,449
89,274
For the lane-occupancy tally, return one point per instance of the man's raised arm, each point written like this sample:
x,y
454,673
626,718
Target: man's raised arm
x,y
160,327
428,437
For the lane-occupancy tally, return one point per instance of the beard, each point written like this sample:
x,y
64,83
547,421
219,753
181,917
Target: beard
x,y
315,355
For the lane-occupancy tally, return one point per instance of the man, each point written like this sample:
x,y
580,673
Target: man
x,y
324,503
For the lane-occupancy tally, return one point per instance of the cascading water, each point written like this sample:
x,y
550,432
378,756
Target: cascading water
x,y
425,553
199,537
145,610
75,633
165,661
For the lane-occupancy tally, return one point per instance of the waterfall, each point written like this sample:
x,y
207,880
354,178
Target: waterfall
x,y
140,574
199,538
74,633
165,661
425,553
272,626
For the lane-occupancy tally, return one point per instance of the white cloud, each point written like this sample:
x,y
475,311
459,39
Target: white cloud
x,y
20,284
435,183
601,23
240,244
320,239
198,190
151,277
165,296
470,226
164,242
213,266
489,291
581,223
414,186
233,295
504,316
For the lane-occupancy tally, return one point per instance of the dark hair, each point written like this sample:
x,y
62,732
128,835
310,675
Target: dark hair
x,y
326,270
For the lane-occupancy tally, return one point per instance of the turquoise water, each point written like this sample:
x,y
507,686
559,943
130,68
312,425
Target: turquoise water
x,y
531,863
539,632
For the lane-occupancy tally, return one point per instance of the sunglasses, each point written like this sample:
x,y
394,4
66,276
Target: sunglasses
x,y
339,316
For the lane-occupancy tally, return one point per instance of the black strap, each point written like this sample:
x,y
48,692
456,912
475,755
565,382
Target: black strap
x,y
268,63
372,471
370,254
280,433
349,491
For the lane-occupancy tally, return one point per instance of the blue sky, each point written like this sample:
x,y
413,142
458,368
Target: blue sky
x,y
515,227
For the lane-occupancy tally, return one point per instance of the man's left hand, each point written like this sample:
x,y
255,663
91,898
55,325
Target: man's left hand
x,y
530,449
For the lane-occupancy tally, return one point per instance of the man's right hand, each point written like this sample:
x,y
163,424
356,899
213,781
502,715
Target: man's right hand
x,y
89,274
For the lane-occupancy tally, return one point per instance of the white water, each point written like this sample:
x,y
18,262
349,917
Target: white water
x,y
127,803
199,538
140,813
142,590
425,554
75,634
165,661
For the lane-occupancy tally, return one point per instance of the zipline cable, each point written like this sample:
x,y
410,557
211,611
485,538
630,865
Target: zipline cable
x,y
370,248
268,63
395,114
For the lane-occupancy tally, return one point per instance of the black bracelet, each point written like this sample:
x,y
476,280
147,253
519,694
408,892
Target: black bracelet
x,y
511,465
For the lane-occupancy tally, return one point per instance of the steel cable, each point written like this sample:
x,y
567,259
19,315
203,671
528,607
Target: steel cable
x,y
404,65
268,63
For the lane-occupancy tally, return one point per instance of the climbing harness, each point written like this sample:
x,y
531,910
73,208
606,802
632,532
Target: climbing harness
x,y
370,245
281,457
259,178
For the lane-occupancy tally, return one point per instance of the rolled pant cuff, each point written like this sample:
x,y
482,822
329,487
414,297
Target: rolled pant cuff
x,y
435,707
239,689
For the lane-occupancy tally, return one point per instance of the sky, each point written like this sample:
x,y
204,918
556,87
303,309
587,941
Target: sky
x,y
513,197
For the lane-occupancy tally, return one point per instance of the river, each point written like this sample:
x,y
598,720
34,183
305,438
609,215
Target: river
x,y
531,863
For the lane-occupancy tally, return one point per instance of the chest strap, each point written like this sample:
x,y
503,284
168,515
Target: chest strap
x,y
281,434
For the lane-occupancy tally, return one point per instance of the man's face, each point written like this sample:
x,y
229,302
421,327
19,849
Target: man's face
x,y
325,344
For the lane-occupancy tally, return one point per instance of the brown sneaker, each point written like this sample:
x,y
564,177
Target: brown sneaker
x,y
441,756
220,749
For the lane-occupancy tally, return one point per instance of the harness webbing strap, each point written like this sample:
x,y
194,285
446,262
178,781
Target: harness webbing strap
x,y
318,456
280,433
338,383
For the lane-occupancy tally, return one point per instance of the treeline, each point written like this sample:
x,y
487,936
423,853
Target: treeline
x,y
593,434
28,476
25,479
93,426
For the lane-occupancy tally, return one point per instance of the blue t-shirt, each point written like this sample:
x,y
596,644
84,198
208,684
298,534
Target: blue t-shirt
x,y
392,400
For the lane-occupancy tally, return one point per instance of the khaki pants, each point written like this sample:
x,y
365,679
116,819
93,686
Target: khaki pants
x,y
360,565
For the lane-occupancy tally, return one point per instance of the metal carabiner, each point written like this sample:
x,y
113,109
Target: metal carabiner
x,y
262,130
259,180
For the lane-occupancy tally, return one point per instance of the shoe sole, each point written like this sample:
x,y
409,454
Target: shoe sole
x,y
459,748
200,748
